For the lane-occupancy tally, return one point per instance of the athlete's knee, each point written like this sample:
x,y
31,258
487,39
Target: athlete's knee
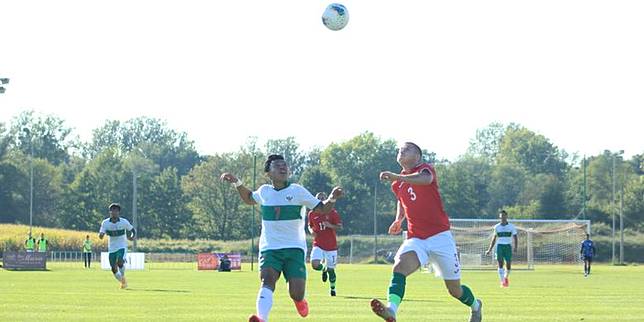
x,y
455,291
316,264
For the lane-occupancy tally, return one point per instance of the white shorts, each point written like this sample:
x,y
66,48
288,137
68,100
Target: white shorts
x,y
330,257
438,250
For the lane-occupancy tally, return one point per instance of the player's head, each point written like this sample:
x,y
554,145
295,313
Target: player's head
x,y
115,210
503,215
320,196
276,168
87,237
587,236
42,236
409,155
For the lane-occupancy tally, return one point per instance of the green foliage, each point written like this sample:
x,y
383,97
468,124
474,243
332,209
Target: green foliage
x,y
179,195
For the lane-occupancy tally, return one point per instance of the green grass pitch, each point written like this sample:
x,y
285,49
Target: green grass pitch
x,y
550,293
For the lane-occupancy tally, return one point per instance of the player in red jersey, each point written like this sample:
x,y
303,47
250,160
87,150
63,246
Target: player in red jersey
x,y
429,239
325,246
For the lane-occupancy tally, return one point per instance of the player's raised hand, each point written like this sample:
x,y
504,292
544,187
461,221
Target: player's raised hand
x,y
337,193
487,252
228,177
388,176
395,228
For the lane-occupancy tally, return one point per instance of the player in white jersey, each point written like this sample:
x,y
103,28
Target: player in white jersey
x,y
282,243
504,234
119,231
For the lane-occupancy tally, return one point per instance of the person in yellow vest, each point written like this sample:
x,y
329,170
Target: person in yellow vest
x,y
30,243
87,251
42,243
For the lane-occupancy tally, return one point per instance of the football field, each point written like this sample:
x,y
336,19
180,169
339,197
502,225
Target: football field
x,y
550,293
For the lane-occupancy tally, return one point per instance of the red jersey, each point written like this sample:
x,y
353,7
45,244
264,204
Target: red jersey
x,y
324,237
422,205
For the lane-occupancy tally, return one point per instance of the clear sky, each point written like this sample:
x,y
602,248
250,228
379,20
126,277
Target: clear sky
x,y
426,71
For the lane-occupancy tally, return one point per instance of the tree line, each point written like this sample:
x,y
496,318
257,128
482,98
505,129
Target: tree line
x,y
506,166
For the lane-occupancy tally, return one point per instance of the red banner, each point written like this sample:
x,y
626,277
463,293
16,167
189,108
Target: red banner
x,y
210,261
207,261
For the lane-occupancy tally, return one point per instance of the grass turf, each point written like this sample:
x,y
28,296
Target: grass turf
x,y
67,292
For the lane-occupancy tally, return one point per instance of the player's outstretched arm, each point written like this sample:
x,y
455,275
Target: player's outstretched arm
x,y
327,205
244,193
424,177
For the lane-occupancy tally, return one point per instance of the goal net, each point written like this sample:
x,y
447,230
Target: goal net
x,y
540,241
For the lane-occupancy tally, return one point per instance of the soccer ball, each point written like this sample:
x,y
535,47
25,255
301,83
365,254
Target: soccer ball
x,y
335,17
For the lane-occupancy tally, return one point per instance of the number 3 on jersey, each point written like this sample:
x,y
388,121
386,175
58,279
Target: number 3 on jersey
x,y
412,194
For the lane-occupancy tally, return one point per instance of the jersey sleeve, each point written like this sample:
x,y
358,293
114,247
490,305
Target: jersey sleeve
x,y
257,196
428,167
315,227
335,218
307,199
102,229
395,187
128,225
514,230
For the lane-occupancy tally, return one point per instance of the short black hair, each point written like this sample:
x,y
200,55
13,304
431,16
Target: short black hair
x,y
416,147
270,159
115,205
503,212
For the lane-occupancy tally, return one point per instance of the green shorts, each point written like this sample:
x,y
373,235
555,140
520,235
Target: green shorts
x,y
504,253
289,261
115,256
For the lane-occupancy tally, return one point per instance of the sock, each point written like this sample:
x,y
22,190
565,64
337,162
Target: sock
x,y
507,273
118,275
332,278
122,271
588,268
501,273
264,303
396,291
468,298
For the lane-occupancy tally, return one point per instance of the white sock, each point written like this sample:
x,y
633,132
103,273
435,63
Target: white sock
x,y
393,307
122,270
118,275
264,303
475,306
507,273
501,273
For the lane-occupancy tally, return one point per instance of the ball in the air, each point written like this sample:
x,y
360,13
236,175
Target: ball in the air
x,y
335,17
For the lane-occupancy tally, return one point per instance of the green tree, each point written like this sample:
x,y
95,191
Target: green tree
x,y
168,215
217,209
150,137
50,137
355,165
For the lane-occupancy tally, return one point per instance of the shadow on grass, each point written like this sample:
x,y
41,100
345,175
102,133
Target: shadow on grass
x,y
370,298
156,290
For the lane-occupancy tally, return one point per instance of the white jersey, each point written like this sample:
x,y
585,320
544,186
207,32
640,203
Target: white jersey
x,y
117,233
282,216
504,233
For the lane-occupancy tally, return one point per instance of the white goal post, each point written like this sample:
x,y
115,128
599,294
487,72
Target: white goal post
x,y
540,241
